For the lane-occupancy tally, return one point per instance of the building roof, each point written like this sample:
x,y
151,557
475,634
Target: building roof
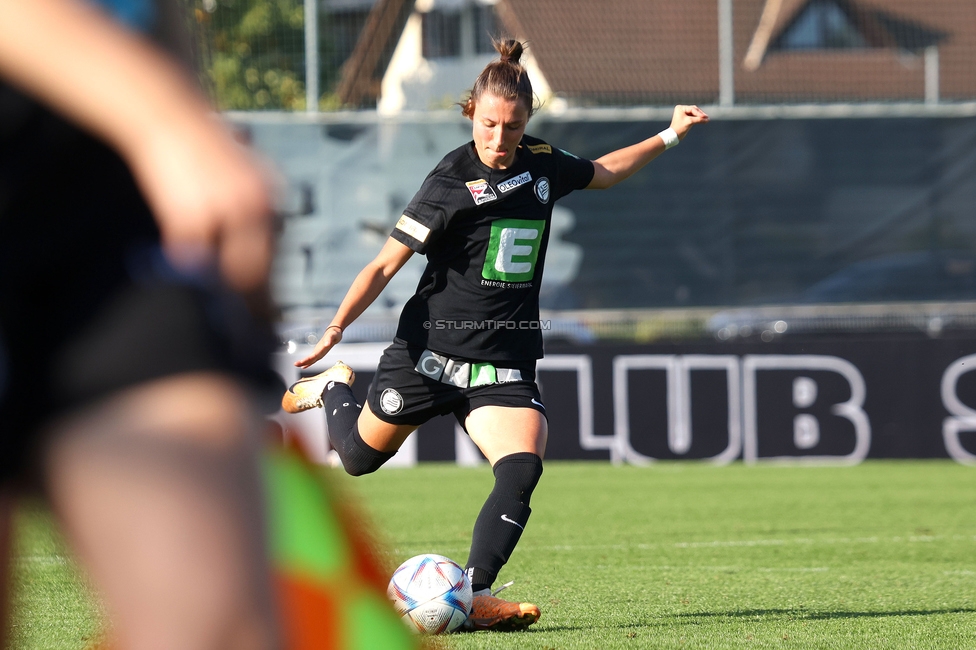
x,y
359,83
621,50
664,51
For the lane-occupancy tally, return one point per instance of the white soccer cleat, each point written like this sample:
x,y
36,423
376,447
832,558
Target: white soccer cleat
x,y
306,393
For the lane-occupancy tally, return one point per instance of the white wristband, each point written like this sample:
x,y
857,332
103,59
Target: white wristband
x,y
670,138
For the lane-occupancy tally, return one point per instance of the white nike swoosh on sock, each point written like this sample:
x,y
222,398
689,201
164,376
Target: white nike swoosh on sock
x,y
534,401
512,521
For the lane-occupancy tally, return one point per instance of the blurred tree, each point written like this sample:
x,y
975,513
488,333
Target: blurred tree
x,y
253,52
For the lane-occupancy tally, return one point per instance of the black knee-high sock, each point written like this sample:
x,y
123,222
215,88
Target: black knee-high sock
x,y
503,517
342,414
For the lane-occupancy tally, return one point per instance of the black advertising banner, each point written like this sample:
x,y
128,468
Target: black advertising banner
x,y
835,400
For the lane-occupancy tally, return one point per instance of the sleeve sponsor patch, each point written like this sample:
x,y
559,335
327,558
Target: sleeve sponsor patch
x,y
540,148
414,228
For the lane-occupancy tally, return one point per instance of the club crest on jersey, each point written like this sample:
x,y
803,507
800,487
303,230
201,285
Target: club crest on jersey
x,y
481,191
542,190
512,183
391,402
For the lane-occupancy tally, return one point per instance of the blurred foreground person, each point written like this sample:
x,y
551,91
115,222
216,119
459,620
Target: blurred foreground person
x,y
134,249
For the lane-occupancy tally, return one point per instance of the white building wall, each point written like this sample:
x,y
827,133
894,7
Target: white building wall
x,y
413,83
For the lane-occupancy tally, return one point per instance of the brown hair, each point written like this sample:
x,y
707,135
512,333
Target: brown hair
x,y
506,78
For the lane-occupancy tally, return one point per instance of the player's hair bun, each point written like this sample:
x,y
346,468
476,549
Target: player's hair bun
x,y
505,78
510,50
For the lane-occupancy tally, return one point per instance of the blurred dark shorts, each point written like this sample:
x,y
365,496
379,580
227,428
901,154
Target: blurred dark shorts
x,y
53,362
88,303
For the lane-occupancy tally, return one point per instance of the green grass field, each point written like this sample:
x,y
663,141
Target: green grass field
x,y
677,555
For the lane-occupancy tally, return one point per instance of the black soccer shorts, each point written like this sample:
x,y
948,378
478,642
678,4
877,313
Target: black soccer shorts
x,y
54,359
413,385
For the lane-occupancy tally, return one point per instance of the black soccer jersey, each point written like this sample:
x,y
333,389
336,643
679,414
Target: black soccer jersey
x,y
485,233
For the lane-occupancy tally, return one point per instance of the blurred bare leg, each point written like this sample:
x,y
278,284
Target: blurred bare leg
x,y
7,502
159,495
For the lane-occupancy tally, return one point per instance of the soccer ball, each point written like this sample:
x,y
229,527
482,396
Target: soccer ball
x,y
431,593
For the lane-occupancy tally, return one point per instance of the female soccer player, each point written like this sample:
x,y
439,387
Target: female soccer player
x,y
468,340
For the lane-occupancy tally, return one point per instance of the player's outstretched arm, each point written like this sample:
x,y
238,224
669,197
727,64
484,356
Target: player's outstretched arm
x,y
618,165
210,198
364,290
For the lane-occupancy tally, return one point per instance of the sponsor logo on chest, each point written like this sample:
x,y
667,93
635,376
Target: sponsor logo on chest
x,y
512,183
481,191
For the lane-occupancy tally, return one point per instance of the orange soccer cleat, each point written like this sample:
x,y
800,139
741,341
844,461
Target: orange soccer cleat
x,y
491,613
306,393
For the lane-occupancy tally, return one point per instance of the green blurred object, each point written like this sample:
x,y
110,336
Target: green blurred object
x,y
252,52
332,586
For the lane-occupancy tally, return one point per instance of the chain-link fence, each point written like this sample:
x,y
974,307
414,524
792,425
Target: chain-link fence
x,y
263,54
254,52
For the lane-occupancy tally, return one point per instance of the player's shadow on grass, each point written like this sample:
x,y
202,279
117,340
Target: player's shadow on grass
x,y
812,615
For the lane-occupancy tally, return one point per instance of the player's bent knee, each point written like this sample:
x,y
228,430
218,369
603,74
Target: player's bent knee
x,y
358,458
361,469
518,475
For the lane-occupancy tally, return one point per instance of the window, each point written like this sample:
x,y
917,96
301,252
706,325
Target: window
x,y
823,24
441,34
486,27
460,31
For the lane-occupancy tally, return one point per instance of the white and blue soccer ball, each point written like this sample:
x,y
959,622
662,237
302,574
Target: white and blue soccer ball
x,y
431,593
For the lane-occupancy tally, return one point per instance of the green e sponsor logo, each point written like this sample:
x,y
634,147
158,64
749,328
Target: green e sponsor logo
x,y
513,249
